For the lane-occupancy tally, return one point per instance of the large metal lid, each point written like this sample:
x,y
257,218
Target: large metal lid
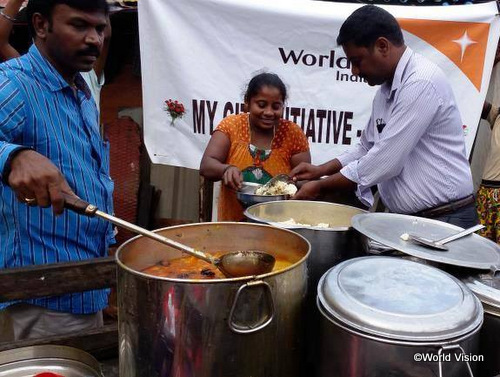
x,y
399,300
471,251
487,288
30,361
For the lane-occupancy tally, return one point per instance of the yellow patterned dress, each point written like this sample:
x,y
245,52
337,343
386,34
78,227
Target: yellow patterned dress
x,y
257,165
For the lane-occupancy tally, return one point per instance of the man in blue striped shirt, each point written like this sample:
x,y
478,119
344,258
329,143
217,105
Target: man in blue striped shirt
x,y
49,145
413,146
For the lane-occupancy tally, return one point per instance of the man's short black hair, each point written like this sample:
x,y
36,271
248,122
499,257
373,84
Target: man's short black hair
x,y
45,7
368,23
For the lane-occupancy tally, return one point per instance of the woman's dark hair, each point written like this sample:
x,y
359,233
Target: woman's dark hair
x,y
261,80
45,8
368,23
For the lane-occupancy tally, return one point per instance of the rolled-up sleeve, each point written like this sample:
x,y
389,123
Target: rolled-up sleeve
x,y
411,116
12,119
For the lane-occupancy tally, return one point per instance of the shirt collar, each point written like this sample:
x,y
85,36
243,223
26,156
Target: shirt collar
x,y
47,74
387,89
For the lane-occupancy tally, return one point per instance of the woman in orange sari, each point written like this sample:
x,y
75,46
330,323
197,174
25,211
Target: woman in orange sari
x,y
253,146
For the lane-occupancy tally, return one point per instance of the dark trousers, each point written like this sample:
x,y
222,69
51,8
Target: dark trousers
x,y
464,217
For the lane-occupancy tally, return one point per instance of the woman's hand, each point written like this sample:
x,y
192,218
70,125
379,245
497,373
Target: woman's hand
x,y
232,177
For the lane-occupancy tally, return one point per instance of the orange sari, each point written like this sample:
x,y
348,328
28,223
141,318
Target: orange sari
x,y
256,166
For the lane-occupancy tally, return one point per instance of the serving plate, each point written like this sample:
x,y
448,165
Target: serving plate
x,y
247,197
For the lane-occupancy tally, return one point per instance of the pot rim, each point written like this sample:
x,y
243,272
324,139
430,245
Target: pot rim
x,y
49,351
440,343
291,227
213,281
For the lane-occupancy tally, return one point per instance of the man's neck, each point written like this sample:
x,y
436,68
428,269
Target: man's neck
x,y
398,53
69,77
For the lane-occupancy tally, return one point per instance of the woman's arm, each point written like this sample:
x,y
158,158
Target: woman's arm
x,y
300,157
9,14
213,163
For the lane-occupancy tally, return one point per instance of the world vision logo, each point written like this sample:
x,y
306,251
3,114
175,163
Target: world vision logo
x,y
464,43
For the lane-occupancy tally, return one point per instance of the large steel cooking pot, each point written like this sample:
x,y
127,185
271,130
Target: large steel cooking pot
x,y
223,327
34,360
329,246
486,286
384,316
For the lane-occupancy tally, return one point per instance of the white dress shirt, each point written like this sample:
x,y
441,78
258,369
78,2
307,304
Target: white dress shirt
x,y
413,146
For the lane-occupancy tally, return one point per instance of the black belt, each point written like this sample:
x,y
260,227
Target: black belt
x,y
447,208
491,184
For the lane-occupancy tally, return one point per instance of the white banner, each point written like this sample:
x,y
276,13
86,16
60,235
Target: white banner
x,y
201,53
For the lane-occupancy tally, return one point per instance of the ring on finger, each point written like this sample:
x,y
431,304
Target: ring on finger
x,y
29,200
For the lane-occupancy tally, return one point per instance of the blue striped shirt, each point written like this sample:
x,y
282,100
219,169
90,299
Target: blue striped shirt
x,y
413,147
38,109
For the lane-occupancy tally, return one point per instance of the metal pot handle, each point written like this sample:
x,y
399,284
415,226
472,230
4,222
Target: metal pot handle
x,y
448,348
269,294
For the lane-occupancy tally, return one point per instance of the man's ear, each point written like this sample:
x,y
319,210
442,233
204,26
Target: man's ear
x,y
382,45
41,25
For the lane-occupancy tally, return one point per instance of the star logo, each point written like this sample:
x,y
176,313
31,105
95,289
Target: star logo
x,y
464,42
471,37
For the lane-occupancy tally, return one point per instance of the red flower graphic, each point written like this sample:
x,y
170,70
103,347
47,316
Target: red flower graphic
x,y
175,109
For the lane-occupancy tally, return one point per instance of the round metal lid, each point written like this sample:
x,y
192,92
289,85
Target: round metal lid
x,y
471,251
487,288
399,299
62,360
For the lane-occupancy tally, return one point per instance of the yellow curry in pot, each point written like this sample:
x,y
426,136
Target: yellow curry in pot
x,y
190,267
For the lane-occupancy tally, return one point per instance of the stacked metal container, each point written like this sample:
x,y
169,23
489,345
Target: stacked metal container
x,y
384,316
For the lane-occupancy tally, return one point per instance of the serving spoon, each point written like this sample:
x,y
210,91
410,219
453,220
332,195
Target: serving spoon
x,y
233,264
278,178
439,244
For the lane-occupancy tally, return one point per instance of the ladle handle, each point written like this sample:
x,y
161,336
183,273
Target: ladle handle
x,y
461,234
80,206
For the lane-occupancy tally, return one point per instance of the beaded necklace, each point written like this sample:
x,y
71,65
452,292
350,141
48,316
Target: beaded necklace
x,y
259,154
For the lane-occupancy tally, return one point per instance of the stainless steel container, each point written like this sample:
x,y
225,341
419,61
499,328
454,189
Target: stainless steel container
x,y
384,316
65,361
247,197
486,287
329,246
225,327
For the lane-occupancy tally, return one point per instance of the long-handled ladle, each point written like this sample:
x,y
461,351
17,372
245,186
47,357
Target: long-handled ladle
x,y
233,264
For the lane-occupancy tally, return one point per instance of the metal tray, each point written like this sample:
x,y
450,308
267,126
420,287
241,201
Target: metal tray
x,y
471,251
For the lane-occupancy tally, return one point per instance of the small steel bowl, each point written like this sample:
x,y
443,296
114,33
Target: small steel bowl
x,y
247,197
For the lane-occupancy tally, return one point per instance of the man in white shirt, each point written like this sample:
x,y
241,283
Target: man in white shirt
x,y
413,146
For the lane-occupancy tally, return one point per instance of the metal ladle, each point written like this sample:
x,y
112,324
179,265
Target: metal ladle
x,y
439,244
233,264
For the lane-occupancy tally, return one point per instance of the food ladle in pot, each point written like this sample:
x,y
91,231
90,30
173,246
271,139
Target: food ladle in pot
x,y
233,264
